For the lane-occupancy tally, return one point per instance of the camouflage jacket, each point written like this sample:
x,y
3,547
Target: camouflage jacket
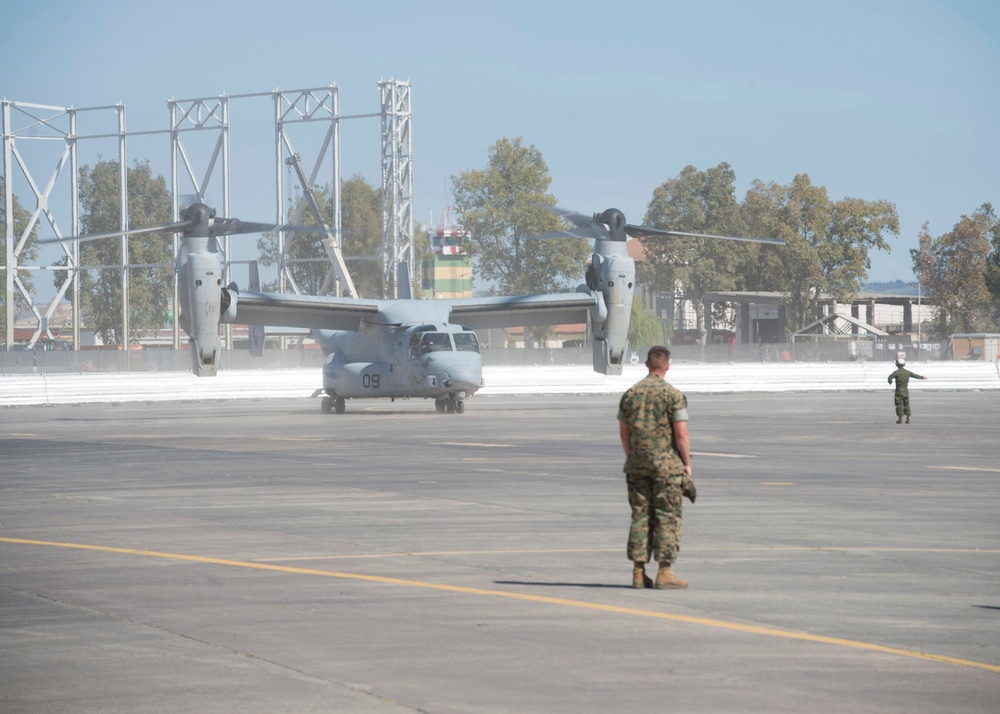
x,y
649,409
902,376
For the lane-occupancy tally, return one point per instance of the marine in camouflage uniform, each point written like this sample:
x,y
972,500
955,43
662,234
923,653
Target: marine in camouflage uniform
x,y
902,395
652,419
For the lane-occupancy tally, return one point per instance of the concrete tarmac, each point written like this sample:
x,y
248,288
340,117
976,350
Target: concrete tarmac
x,y
259,556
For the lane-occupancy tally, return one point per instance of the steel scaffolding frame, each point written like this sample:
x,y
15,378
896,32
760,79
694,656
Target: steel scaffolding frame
x,y
304,107
291,108
51,123
397,183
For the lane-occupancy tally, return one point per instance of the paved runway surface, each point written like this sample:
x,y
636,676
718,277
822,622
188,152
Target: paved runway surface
x,y
258,556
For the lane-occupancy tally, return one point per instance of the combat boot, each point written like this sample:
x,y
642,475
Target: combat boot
x,y
639,578
900,420
907,419
666,580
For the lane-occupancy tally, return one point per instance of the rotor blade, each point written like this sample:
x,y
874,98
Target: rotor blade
x,y
650,232
231,226
577,219
592,227
178,227
586,226
290,228
586,232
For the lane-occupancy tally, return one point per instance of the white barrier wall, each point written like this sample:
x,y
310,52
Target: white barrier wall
x,y
48,389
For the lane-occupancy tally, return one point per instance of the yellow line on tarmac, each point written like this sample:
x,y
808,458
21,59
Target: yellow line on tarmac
x,y
707,622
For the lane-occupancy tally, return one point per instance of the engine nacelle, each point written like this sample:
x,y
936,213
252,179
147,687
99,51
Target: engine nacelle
x,y
612,278
200,284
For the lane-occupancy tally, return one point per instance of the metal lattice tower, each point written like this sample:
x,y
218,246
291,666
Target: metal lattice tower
x,y
26,122
397,182
306,106
317,107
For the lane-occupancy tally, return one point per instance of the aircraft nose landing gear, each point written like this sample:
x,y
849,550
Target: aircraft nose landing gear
x,y
450,405
336,404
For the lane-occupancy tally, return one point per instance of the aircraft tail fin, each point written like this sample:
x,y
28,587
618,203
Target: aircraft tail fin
x,y
404,290
257,335
254,285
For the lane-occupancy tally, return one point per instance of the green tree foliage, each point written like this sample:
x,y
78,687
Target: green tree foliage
x,y
992,276
696,202
29,252
150,295
827,243
499,205
645,328
953,269
361,227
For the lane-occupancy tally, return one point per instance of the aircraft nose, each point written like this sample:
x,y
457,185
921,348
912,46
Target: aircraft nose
x,y
464,378
459,373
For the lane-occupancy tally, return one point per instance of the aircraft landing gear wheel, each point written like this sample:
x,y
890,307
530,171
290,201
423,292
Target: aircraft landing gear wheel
x,y
339,405
451,405
327,406
441,405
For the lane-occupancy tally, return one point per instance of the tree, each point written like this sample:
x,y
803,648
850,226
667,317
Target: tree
x,y
29,252
696,202
150,295
827,243
361,235
992,276
361,224
953,269
797,218
499,205
644,328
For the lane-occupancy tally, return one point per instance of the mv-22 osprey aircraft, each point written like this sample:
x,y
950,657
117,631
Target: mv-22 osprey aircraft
x,y
405,347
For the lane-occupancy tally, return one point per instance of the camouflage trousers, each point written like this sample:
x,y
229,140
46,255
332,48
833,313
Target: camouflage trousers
x,y
655,533
902,404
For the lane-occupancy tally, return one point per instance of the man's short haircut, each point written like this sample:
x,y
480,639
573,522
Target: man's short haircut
x,y
658,357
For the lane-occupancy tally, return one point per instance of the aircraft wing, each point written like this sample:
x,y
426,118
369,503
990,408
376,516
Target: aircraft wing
x,y
335,313
556,309
276,310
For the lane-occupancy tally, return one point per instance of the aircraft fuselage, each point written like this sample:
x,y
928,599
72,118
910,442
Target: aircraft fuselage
x,y
432,361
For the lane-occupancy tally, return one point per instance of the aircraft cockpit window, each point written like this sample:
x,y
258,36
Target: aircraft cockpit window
x,y
435,342
466,342
414,345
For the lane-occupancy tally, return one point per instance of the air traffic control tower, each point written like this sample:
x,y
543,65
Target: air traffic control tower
x,y
448,272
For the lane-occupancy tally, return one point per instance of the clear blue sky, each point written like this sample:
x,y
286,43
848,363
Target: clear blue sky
x,y
875,100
